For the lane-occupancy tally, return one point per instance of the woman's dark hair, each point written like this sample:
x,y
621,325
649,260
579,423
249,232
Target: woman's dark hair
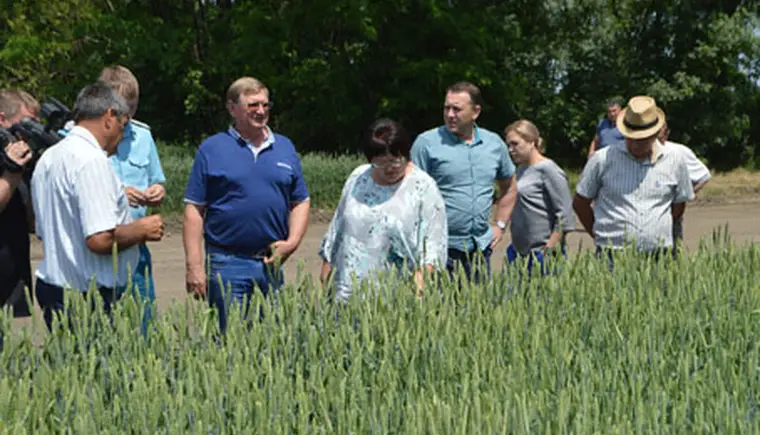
x,y
386,137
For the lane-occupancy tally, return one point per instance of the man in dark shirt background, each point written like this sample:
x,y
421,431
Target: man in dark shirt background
x,y
16,218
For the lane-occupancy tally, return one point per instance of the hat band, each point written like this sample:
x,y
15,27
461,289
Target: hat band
x,y
642,126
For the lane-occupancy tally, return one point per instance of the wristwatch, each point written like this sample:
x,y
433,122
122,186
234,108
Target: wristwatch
x,y
501,224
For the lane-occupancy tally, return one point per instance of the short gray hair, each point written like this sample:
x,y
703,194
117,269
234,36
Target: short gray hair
x,y
95,100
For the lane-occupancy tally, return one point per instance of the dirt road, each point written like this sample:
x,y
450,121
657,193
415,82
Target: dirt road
x,y
168,255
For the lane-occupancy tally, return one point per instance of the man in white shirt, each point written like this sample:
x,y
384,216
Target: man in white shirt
x,y
698,173
639,187
81,209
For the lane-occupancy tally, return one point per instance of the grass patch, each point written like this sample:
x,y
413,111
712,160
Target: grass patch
x,y
737,183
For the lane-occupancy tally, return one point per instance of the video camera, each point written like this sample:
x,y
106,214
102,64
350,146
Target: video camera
x,y
38,136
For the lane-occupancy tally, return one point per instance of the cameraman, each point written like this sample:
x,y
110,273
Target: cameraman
x,y
16,217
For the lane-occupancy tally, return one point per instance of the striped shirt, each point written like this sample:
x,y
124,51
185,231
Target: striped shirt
x,y
76,194
633,198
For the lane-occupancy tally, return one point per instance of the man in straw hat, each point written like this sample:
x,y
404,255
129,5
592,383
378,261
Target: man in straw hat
x,y
638,186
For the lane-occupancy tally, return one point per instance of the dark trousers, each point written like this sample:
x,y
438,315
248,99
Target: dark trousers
x,y
50,298
472,263
660,254
14,295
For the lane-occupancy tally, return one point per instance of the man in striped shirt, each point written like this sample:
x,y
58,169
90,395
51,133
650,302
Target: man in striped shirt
x,y
639,186
81,209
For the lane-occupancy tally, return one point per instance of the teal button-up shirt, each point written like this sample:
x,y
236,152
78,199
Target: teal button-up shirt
x,y
465,175
136,161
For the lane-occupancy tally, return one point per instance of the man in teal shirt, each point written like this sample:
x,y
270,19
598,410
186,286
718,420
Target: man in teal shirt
x,y
137,165
465,160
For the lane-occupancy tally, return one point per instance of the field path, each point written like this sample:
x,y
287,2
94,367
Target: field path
x,y
701,220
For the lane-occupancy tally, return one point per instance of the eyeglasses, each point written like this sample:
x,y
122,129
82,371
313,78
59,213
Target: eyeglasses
x,y
396,163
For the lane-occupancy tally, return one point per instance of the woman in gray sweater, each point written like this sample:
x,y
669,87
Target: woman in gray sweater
x,y
544,205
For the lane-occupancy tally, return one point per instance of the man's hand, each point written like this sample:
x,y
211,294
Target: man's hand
x,y
498,234
281,251
19,152
154,195
195,282
135,196
153,226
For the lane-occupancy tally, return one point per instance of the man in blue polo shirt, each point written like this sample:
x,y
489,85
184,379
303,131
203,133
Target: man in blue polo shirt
x,y
247,199
607,132
465,160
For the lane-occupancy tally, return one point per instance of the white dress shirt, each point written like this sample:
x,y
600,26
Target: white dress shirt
x,y
77,194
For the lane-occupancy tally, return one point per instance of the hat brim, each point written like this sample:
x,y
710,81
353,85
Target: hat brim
x,y
639,133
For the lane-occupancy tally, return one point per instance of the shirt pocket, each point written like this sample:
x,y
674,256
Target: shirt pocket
x,y
135,171
660,188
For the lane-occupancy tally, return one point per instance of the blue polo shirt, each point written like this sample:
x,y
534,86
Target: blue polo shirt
x,y
465,174
608,133
136,161
248,196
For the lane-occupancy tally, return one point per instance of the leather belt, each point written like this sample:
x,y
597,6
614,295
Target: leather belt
x,y
260,254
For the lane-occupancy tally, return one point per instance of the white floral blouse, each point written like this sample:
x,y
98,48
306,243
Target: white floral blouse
x,y
377,227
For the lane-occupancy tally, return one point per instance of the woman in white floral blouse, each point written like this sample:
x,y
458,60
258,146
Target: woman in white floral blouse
x,y
390,215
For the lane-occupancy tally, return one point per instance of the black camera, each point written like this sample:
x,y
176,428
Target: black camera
x,y
38,136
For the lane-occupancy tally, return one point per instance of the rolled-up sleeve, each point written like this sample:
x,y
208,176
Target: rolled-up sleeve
x,y
196,191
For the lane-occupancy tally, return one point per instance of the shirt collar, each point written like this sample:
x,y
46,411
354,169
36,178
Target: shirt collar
x,y
658,151
129,129
87,136
243,141
456,139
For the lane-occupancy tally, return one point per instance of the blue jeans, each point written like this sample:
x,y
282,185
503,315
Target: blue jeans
x,y
471,262
50,298
240,275
533,258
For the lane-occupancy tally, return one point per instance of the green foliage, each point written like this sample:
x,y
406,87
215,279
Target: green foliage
x,y
335,66
647,348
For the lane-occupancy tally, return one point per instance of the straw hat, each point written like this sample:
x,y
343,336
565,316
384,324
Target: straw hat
x,y
641,118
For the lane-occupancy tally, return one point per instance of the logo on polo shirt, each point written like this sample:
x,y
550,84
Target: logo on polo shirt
x,y
284,165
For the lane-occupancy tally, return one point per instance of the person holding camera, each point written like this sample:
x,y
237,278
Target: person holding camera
x,y
82,210
16,218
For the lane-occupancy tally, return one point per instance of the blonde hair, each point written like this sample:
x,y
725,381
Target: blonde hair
x,y
124,83
244,86
528,131
12,100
